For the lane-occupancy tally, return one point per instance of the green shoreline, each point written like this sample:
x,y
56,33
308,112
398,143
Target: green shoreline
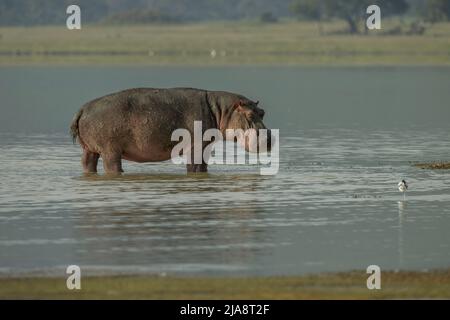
x,y
223,44
348,285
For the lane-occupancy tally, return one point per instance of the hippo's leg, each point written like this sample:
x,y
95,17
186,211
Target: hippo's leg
x,y
89,161
112,163
202,167
197,167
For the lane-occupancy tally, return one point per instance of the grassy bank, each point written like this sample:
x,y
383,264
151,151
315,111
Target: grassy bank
x,y
352,285
227,43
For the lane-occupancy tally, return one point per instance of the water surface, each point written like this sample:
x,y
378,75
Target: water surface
x,y
333,206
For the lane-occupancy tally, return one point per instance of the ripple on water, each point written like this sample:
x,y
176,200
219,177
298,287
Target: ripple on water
x,y
334,205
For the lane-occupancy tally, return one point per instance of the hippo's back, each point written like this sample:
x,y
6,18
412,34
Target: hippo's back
x,y
133,115
145,98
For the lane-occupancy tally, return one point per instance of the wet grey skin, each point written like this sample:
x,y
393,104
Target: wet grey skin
x,y
137,124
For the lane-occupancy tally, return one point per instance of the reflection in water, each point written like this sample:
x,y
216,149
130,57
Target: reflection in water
x,y
328,209
402,205
179,222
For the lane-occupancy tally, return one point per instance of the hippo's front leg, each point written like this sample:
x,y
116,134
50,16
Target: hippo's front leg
x,y
197,167
193,167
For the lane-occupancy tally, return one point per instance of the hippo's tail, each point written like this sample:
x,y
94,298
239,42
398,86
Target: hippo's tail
x,y
74,126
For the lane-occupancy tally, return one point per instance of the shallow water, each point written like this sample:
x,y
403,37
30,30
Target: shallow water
x,y
334,205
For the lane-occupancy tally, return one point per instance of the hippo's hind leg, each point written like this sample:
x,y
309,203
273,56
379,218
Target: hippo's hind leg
x,y
89,161
112,163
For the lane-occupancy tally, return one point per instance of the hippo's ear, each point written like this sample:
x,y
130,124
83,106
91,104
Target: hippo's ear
x,y
257,101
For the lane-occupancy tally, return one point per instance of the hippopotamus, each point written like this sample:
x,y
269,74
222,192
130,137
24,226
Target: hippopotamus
x,y
137,124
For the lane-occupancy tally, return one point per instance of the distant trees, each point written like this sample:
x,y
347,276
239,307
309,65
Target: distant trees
x,y
309,9
51,12
352,11
268,17
437,10
41,12
137,16
48,12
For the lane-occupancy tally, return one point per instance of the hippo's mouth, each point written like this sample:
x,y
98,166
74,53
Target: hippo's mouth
x,y
256,141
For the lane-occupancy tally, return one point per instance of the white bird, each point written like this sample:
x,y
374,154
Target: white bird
x,y
402,187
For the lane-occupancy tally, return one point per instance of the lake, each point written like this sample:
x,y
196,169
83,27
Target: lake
x,y
347,137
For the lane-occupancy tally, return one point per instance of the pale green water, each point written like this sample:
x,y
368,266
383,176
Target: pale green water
x,y
347,138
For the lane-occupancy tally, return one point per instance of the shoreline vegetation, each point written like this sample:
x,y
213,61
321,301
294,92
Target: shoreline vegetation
x,y
433,165
226,43
348,285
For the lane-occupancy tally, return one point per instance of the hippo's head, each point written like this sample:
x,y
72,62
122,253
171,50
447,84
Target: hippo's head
x,y
246,120
240,120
